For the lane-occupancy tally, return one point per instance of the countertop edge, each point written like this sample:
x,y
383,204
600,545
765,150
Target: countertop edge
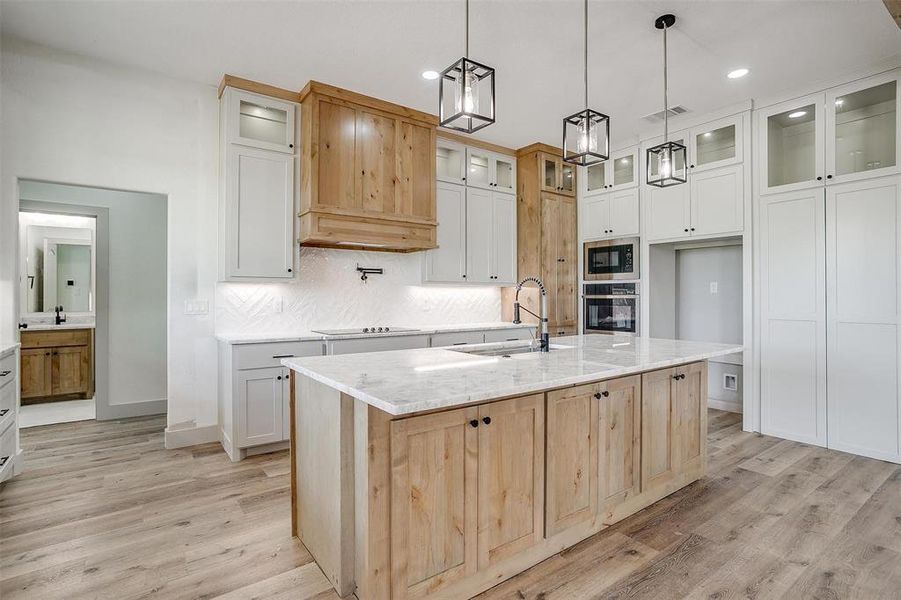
x,y
412,408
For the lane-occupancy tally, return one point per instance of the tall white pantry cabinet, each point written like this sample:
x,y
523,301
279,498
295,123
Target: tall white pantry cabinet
x,y
829,268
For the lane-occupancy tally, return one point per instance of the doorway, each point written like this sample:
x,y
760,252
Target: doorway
x,y
92,303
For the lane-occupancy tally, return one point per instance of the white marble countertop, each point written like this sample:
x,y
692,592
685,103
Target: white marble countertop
x,y
402,382
32,326
306,336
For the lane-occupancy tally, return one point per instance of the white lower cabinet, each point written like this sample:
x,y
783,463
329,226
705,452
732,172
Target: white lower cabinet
x,y
711,203
476,237
378,344
830,274
261,403
9,430
611,215
457,338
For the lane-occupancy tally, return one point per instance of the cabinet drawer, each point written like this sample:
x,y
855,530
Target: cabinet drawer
x,y
7,448
7,369
509,335
258,356
403,342
457,338
7,406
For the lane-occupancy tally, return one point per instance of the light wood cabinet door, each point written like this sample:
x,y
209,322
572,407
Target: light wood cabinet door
x,y
619,442
336,153
434,500
70,370
549,254
572,458
415,183
376,161
567,312
673,423
511,477
35,372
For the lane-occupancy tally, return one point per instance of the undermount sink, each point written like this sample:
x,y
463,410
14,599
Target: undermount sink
x,y
507,351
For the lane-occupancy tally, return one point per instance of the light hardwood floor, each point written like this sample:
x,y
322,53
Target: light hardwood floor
x,y
103,511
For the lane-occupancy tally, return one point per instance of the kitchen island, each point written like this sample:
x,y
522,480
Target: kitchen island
x,y
440,472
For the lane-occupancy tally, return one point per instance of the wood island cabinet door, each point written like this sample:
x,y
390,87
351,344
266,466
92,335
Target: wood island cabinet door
x,y
691,403
619,442
511,477
35,372
572,457
434,501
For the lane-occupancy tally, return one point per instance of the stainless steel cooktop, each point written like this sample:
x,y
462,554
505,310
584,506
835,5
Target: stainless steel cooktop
x,y
364,330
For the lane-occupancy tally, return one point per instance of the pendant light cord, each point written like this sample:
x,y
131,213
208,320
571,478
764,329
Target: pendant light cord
x,y
586,54
466,52
665,105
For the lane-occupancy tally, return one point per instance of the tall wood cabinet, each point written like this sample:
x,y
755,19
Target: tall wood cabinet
x,y
547,236
367,172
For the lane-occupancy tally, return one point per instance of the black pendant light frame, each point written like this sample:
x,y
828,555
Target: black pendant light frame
x,y
585,123
452,79
668,151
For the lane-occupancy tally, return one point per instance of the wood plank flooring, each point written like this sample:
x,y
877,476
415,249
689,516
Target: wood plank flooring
x,y
104,511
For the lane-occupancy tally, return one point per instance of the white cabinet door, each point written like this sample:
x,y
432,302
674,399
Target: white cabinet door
x,y
457,338
259,121
478,236
624,213
862,132
503,238
669,212
259,215
595,217
790,149
863,250
622,169
447,262
479,168
715,144
792,265
717,201
450,161
260,406
378,344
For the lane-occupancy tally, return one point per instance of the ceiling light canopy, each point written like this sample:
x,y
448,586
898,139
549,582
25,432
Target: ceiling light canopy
x,y
667,162
586,134
430,75
737,73
466,93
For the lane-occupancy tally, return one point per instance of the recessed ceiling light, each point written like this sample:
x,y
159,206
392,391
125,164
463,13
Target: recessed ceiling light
x,y
797,114
737,73
430,75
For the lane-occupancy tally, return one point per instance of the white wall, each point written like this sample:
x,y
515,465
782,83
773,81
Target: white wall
x,y
329,294
67,119
136,283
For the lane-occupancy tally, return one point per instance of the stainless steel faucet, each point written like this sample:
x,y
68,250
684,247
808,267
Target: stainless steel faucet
x,y
542,318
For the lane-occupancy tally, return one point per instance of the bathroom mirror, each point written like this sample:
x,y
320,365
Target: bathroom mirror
x,y
56,263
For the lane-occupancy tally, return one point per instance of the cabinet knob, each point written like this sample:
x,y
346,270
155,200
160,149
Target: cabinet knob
x,y
486,420
474,423
605,393
290,270
691,167
290,145
686,231
692,228
828,176
46,354
597,395
819,179
464,179
279,377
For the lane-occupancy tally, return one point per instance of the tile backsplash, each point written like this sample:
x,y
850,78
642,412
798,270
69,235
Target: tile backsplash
x,y
328,294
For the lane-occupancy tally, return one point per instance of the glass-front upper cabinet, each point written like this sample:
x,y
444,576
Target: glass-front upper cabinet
x,y
567,177
557,175
715,144
450,161
595,178
260,121
791,144
624,168
490,170
862,132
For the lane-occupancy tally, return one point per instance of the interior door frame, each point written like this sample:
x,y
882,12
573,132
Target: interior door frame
x,y
103,410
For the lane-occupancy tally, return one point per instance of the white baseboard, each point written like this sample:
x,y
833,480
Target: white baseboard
x,y
132,409
235,454
191,436
734,407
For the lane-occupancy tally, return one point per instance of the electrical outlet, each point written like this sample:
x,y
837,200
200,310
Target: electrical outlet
x,y
730,382
714,287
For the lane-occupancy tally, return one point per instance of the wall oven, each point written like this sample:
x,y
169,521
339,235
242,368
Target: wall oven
x,y
611,259
610,308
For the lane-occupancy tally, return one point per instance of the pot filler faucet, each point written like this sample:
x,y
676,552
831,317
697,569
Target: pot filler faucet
x,y
545,338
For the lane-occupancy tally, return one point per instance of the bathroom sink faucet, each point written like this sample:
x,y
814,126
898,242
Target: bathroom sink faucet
x,y
542,318
59,319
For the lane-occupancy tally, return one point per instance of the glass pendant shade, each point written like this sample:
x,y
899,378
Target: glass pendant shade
x,y
466,96
586,138
666,164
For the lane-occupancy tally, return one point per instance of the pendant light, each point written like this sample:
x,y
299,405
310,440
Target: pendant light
x,y
666,161
586,134
466,93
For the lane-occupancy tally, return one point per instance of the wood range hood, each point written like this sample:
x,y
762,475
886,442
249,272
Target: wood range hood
x,y
367,174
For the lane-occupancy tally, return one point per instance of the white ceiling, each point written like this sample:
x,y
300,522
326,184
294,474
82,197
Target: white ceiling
x,y
380,48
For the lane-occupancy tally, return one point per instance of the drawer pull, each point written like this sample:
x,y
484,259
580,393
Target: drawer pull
x,y
282,356
3,461
459,343
3,412
4,373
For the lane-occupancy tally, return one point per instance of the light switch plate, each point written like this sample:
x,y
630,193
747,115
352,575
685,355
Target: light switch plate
x,y
197,307
714,287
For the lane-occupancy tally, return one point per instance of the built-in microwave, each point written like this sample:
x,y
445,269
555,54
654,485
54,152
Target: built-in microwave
x,y
611,259
610,308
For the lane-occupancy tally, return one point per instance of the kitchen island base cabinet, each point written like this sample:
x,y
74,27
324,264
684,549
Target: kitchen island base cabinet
x,y
449,503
